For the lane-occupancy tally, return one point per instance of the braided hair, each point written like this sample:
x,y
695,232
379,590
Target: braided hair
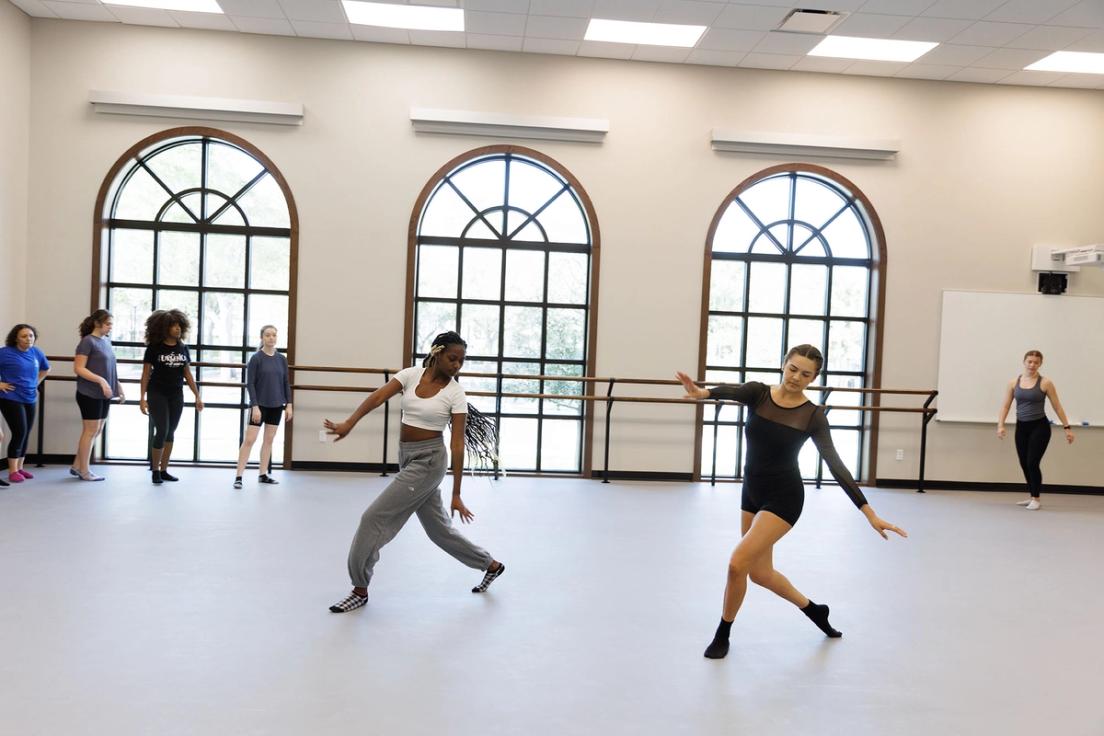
x,y
480,432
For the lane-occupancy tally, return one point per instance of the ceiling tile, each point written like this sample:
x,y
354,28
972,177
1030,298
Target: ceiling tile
x,y
271,26
750,17
791,44
206,21
1030,11
604,50
985,76
1092,42
875,68
688,12
938,30
34,8
318,11
494,24
715,58
143,16
1035,79
449,39
897,7
986,33
669,54
543,26
955,55
969,9
252,8
639,10
498,6
725,39
869,25
569,8
81,11
1050,38
375,34
494,43
1012,59
821,64
550,46
1087,14
928,71
769,61
312,29
1080,81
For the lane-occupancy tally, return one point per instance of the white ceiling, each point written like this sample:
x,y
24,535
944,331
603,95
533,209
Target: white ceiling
x,y
988,41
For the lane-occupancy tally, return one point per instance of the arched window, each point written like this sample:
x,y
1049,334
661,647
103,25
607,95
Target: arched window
x,y
201,221
504,251
792,256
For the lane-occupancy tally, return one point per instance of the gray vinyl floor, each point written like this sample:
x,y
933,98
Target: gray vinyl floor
x,y
195,609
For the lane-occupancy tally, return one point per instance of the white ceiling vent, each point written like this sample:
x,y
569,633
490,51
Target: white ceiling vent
x,y
810,21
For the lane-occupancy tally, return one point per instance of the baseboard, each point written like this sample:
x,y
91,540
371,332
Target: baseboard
x,y
338,467
960,485
643,475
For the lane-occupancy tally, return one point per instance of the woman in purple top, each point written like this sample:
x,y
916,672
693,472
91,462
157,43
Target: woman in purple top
x,y
1030,390
22,368
266,379
97,386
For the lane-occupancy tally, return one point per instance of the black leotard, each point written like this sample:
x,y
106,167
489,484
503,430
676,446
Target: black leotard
x,y
772,478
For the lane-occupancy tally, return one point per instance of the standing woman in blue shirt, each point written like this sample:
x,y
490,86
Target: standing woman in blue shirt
x,y
97,385
22,368
165,368
269,397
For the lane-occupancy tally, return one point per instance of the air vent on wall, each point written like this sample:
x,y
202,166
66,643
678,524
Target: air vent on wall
x,y
810,21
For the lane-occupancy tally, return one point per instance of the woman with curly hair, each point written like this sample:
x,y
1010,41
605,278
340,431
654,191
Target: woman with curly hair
x,y
165,368
22,368
431,399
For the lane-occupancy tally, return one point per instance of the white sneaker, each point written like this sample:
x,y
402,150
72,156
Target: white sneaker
x,y
1023,503
1034,505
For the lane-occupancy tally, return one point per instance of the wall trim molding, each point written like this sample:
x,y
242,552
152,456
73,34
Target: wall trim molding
x,y
501,125
798,145
196,108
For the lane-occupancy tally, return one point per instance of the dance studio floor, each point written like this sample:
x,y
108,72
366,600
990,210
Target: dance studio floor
x,y
192,608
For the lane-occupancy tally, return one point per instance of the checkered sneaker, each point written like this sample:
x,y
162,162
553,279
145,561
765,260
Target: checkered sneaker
x,y
351,603
489,578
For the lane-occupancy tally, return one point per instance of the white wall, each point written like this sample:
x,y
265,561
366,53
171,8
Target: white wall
x,y
15,80
984,172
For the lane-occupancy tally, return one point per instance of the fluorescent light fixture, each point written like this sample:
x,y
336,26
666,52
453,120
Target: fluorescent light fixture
x,y
411,17
192,6
871,49
645,34
1078,62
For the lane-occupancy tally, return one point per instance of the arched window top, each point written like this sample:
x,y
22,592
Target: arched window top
x,y
796,215
199,181
506,196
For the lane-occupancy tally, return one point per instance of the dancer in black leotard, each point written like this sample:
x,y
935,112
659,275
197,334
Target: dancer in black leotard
x,y
780,420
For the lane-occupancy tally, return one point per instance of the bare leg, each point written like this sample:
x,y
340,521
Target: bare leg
x,y
155,458
246,448
90,429
763,573
765,530
266,448
166,453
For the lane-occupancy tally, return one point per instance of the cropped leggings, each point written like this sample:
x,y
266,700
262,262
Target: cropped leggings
x,y
164,411
20,419
1032,438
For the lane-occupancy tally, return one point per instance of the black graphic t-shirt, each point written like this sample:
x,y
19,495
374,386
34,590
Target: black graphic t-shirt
x,y
168,361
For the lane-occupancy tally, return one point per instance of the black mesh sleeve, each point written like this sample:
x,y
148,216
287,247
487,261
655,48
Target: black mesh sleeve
x,y
822,438
749,393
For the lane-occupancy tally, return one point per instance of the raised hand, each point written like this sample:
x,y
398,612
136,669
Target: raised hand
x,y
692,391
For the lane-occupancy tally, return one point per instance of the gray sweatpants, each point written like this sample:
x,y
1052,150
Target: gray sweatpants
x,y
414,490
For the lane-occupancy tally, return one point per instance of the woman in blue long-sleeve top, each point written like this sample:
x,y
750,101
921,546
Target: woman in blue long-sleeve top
x,y
269,398
780,420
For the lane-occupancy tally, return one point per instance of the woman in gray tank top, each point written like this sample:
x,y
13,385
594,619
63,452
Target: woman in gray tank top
x,y
1030,390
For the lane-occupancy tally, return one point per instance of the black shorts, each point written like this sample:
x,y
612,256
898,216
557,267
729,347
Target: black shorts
x,y
269,415
93,408
782,495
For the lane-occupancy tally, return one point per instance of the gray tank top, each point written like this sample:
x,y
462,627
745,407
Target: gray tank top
x,y
1030,402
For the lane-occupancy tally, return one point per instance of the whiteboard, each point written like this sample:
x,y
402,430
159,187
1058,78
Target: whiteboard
x,y
984,336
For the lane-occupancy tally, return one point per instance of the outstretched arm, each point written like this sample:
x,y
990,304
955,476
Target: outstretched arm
x,y
1052,394
822,438
745,393
374,400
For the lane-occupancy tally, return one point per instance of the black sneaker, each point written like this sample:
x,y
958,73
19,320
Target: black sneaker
x,y
156,474
170,478
268,479
237,484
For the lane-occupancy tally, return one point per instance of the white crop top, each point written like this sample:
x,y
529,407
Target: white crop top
x,y
433,413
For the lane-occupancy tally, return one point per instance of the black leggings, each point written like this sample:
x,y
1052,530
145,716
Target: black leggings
x,y
164,411
1032,438
20,419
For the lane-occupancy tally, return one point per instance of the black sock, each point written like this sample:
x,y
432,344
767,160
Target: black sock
x,y
166,476
156,477
718,648
818,614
